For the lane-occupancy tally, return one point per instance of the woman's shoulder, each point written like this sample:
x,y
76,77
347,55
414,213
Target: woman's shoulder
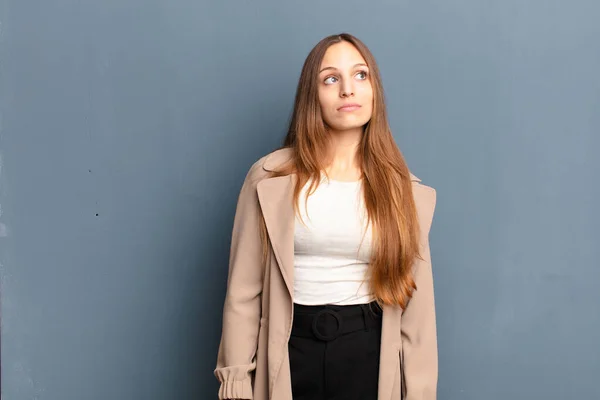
x,y
425,200
266,164
276,158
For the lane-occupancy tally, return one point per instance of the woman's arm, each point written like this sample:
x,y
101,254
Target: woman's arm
x,y
419,336
242,309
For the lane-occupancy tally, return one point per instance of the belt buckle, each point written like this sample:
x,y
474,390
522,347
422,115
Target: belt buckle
x,y
318,334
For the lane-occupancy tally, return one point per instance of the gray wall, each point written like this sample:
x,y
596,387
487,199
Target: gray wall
x,y
127,127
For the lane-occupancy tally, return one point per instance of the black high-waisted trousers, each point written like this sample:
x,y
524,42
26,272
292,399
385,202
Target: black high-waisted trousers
x,y
334,352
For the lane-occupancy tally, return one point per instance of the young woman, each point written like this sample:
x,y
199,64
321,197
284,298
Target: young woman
x,y
330,288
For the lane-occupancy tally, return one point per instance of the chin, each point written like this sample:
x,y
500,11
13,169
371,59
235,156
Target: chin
x,y
346,127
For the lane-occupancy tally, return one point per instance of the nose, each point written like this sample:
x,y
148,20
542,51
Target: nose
x,y
346,88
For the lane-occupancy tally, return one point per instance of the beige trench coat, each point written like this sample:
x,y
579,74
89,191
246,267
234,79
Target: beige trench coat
x,y
253,360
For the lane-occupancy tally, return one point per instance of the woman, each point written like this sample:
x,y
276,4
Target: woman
x,y
330,289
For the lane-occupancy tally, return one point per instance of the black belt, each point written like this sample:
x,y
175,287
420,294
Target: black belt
x,y
327,322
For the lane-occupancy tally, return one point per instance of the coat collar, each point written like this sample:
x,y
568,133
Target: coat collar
x,y
282,155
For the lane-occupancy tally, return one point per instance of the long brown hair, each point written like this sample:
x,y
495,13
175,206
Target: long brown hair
x,y
387,187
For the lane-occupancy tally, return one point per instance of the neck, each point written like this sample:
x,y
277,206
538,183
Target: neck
x,y
344,146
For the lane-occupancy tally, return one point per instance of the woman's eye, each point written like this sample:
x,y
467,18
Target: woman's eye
x,y
328,79
364,73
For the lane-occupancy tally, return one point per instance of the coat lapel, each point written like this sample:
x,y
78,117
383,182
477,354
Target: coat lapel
x,y
275,198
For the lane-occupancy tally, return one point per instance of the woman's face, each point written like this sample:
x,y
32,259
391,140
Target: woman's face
x,y
344,80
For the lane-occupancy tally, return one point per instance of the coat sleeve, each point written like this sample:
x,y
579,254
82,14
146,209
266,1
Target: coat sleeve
x,y
419,336
242,307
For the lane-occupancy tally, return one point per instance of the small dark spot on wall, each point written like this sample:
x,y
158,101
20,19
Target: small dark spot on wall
x,y
96,214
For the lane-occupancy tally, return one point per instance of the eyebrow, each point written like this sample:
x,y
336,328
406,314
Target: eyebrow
x,y
356,65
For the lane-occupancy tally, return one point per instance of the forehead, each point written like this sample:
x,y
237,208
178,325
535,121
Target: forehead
x,y
341,55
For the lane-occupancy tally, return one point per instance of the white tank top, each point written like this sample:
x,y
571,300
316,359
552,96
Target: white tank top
x,y
329,266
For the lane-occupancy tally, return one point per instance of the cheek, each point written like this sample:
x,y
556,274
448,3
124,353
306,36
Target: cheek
x,y
369,99
327,104
326,99
368,102
367,92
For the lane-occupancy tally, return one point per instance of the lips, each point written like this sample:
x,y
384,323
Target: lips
x,y
349,107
